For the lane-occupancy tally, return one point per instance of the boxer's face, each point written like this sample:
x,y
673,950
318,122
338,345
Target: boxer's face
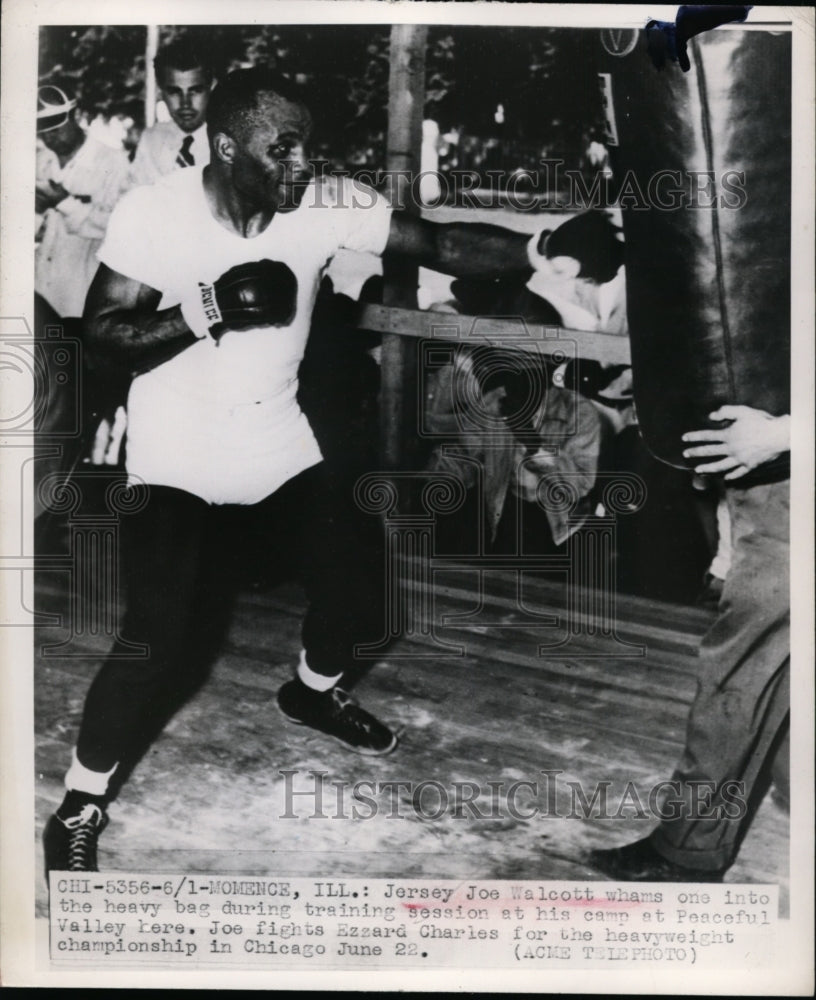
x,y
186,94
269,165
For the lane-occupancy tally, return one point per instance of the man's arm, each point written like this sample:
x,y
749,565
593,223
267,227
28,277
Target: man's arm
x,y
49,195
753,438
108,186
576,457
124,327
144,169
461,249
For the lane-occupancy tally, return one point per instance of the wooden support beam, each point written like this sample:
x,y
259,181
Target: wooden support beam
x,y
406,100
507,334
151,48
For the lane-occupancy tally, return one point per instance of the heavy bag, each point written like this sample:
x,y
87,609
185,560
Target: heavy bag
x,y
702,166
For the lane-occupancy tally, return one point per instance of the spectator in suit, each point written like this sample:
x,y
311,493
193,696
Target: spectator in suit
x,y
185,80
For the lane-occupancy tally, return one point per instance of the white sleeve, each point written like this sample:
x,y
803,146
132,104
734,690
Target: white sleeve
x,y
361,218
74,213
133,242
612,304
111,182
145,168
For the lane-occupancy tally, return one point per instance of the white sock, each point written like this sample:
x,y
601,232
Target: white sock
x,y
81,779
317,682
721,562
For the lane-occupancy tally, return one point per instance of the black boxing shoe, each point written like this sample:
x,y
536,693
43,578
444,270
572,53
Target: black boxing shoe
x,y
71,834
336,714
641,862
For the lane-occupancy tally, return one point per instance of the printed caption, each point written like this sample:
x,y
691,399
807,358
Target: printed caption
x,y
190,921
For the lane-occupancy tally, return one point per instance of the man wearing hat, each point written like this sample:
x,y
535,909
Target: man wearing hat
x,y
79,180
185,81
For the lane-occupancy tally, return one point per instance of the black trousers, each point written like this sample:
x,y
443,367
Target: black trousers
x,y
181,562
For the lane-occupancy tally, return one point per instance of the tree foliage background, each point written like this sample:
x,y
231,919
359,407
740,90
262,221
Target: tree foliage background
x,y
543,78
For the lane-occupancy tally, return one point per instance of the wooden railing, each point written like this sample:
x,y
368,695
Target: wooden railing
x,y
506,333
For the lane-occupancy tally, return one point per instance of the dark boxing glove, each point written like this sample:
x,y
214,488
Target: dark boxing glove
x,y
259,293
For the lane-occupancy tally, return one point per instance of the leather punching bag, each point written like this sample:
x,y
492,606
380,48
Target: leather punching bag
x,y
702,167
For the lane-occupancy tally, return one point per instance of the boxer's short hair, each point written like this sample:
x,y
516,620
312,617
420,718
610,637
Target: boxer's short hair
x,y
236,97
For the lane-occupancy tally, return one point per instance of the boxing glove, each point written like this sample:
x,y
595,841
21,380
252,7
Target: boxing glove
x,y
258,293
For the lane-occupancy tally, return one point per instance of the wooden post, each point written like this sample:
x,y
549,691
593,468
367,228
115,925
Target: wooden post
x,y
406,101
151,47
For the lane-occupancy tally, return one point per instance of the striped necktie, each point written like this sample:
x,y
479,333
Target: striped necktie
x,y
185,158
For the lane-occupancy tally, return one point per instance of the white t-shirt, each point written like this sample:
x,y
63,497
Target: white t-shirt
x,y
222,420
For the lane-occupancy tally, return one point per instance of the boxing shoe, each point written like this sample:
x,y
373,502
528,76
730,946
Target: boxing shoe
x,y
71,834
336,714
640,862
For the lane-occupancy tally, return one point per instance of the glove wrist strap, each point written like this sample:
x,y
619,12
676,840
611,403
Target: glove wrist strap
x,y
209,305
201,312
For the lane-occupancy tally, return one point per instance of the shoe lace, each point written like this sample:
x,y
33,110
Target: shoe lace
x,y
341,698
84,830
346,706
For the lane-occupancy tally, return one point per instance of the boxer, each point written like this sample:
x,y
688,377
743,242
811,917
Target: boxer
x,y
204,293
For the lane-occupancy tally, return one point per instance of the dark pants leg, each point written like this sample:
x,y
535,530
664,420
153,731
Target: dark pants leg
x,y
181,560
341,564
524,530
336,552
742,703
164,562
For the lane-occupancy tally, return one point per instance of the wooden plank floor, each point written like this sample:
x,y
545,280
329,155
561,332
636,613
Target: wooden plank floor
x,y
209,796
